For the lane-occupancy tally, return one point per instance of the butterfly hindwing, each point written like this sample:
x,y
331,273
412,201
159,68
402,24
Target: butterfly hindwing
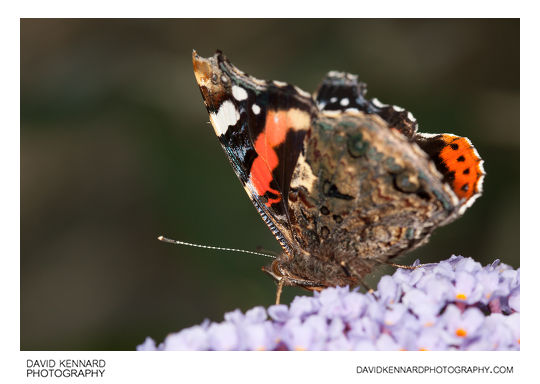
x,y
261,125
458,161
455,157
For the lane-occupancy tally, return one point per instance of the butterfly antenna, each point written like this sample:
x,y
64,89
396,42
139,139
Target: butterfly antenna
x,y
178,242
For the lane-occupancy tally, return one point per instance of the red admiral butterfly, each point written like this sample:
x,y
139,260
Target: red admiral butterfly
x,y
344,183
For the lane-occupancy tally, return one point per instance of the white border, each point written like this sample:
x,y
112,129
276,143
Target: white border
x,y
266,366
281,367
275,9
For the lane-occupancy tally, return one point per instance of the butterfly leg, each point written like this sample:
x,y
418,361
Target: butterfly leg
x,y
279,290
410,266
274,271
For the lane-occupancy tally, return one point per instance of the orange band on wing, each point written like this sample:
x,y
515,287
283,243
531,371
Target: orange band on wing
x,y
274,134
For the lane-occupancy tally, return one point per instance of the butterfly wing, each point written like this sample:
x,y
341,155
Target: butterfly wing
x,y
261,125
455,157
340,91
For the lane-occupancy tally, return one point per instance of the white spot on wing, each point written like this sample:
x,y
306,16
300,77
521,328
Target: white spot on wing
x,y
226,116
344,102
377,103
333,99
279,83
239,93
331,113
398,109
410,116
428,135
256,109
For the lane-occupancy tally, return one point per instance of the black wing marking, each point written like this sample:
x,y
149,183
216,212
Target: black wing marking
x,y
340,91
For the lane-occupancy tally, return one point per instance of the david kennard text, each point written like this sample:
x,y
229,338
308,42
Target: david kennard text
x,y
65,368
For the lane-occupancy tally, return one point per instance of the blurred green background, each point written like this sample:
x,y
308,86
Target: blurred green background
x,y
116,150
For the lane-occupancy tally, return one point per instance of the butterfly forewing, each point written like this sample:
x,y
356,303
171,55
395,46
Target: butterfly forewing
x,y
261,126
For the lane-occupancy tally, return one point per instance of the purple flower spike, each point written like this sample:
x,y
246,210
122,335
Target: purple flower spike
x,y
453,305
